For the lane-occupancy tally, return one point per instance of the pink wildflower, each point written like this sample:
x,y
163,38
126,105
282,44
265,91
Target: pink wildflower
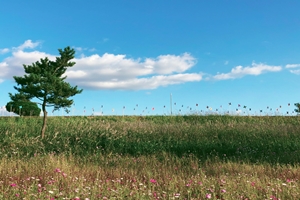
x,y
154,194
223,190
153,181
13,185
57,170
274,198
208,196
17,195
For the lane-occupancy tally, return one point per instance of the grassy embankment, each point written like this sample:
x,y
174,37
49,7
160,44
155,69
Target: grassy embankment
x,y
179,157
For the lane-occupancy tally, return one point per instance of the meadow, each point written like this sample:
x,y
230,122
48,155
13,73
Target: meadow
x,y
151,157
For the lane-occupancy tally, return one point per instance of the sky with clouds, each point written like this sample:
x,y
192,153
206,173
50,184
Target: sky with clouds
x,y
133,57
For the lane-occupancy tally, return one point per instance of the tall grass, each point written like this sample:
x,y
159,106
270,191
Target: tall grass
x,y
151,157
273,140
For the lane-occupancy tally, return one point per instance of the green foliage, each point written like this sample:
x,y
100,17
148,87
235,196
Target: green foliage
x,y
44,80
23,108
242,139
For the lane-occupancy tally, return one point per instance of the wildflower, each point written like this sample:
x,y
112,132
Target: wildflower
x,y
153,181
208,196
274,198
188,185
17,195
57,170
223,190
13,185
64,174
177,195
154,194
51,192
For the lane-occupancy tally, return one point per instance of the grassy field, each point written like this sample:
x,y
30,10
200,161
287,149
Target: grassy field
x,y
151,157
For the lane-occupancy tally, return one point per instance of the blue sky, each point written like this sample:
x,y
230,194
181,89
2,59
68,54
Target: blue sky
x,y
134,52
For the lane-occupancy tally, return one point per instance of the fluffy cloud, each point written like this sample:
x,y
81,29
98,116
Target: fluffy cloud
x,y
240,71
118,72
109,71
13,66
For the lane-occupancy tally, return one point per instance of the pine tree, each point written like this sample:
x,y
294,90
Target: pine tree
x,y
45,81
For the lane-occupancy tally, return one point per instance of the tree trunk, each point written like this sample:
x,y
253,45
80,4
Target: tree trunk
x,y
44,120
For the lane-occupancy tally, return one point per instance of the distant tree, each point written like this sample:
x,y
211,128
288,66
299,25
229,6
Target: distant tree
x,y
297,110
44,81
23,108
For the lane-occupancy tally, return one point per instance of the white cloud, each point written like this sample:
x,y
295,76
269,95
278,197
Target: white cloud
x,y
118,72
109,71
143,83
28,44
13,65
5,50
292,66
296,71
240,71
84,49
78,48
288,66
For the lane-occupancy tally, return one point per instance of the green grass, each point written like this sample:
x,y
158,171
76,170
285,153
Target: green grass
x,y
257,157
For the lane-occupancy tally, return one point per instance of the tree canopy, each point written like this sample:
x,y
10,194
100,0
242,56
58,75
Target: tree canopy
x,y
23,108
45,81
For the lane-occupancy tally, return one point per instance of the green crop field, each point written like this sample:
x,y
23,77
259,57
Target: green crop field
x,y
151,157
